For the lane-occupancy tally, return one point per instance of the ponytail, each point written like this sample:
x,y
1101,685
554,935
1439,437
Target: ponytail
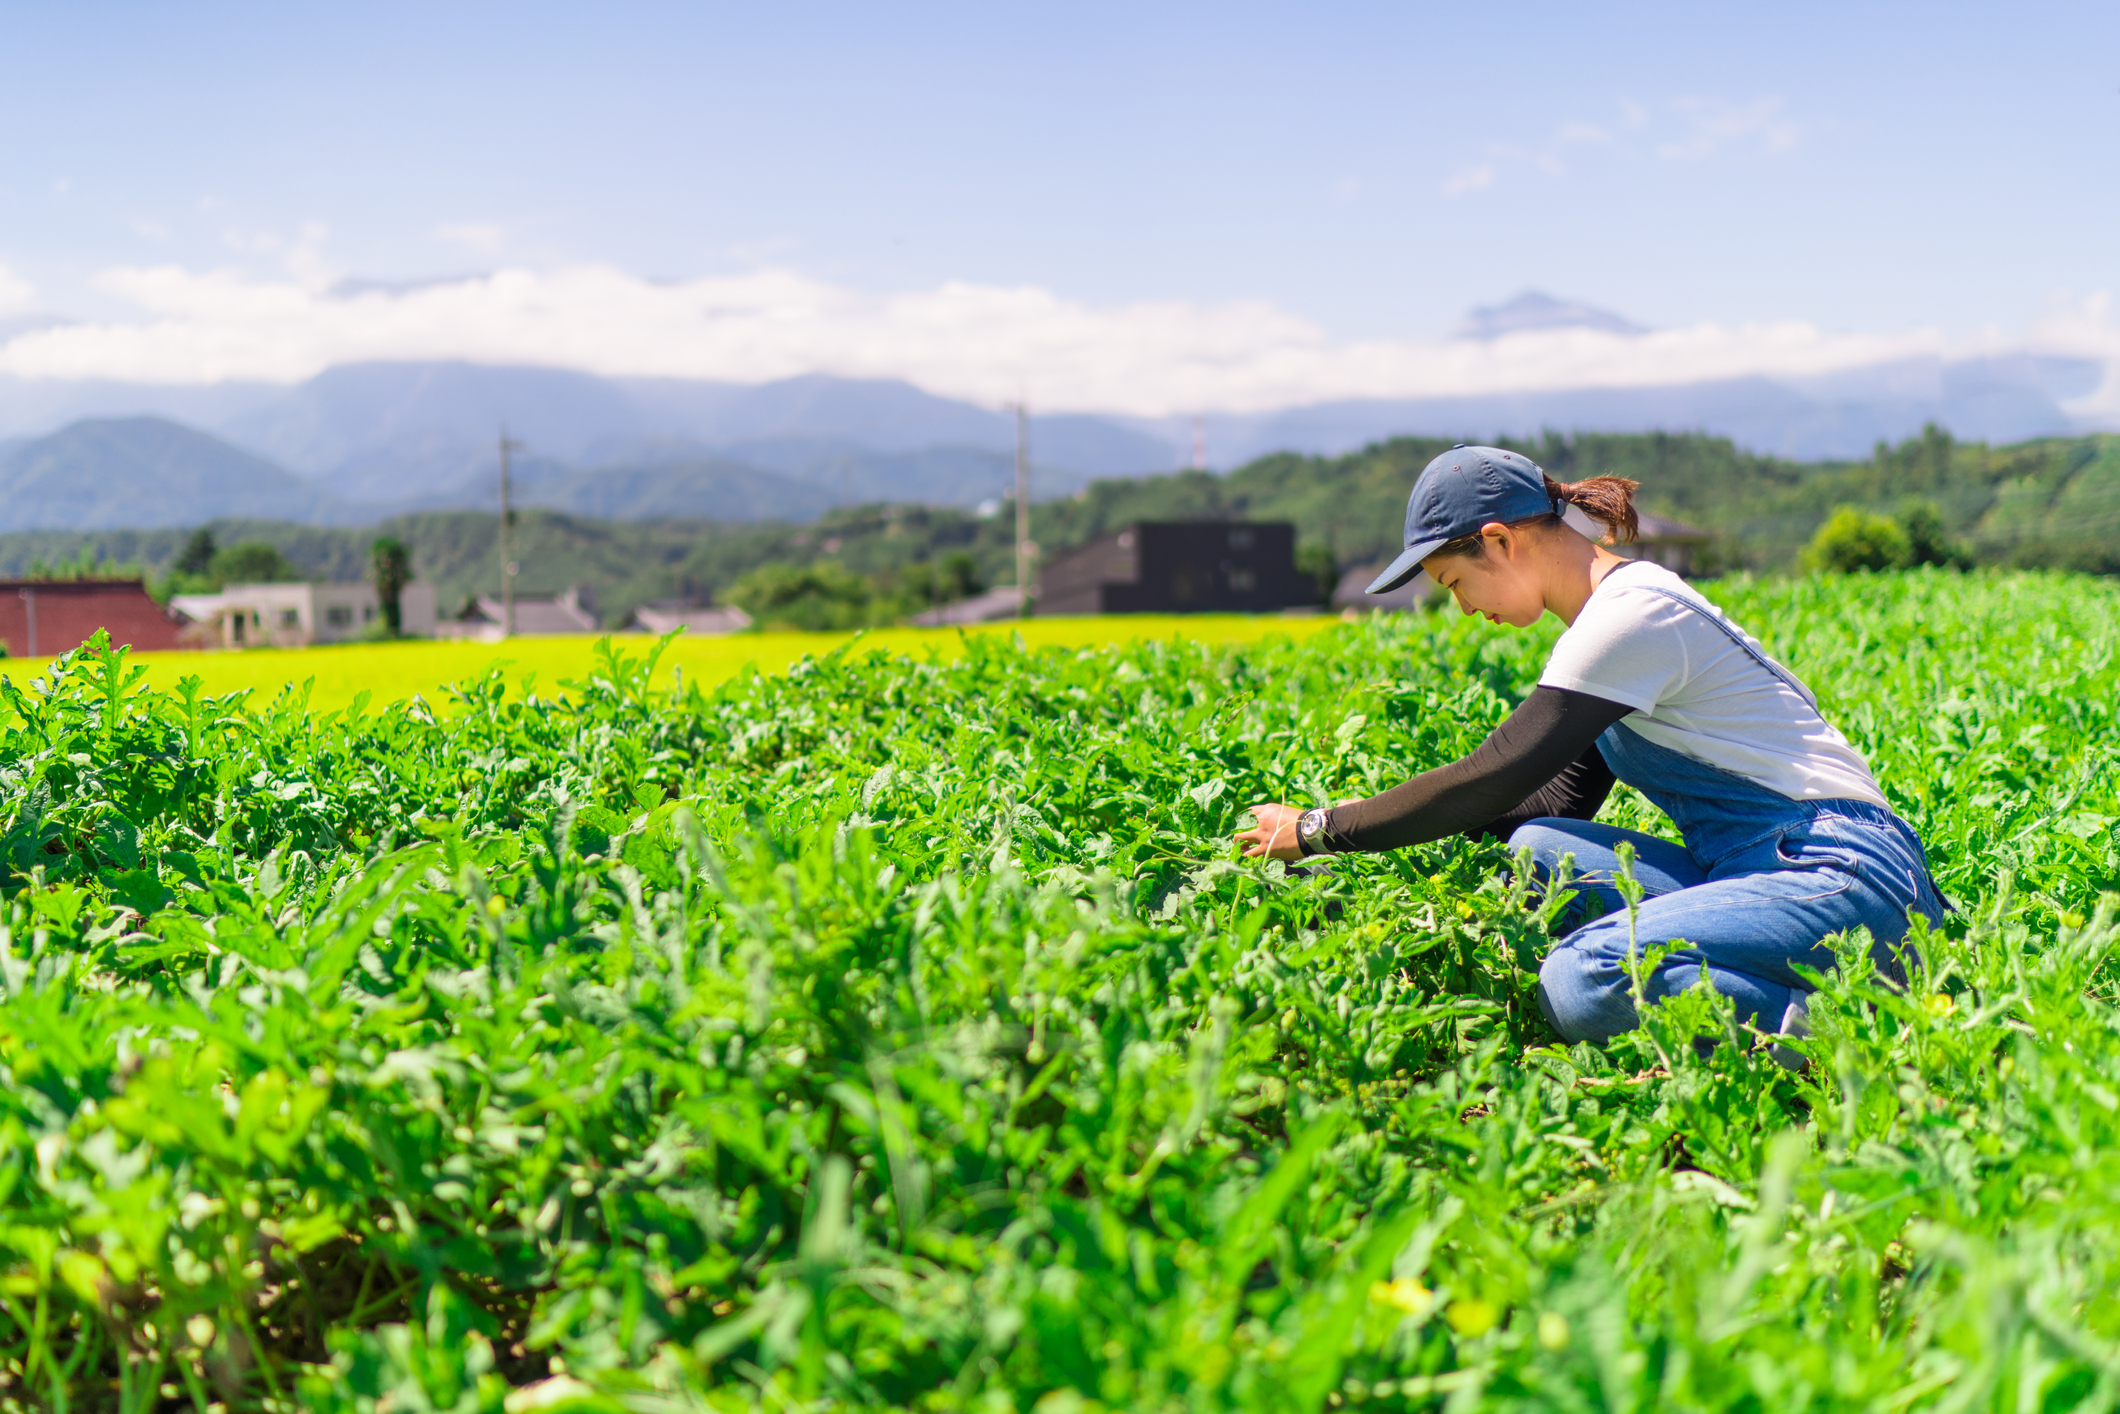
x,y
1608,500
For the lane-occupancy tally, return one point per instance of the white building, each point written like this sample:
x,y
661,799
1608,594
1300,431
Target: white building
x,y
696,619
298,615
572,612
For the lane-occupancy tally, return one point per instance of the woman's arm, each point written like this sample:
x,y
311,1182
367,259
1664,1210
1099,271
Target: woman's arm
x,y
1575,794
1542,761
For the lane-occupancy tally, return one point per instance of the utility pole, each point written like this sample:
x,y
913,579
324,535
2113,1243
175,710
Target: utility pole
x,y
507,539
1023,511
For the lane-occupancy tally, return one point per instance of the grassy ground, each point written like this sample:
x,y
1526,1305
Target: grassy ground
x,y
391,672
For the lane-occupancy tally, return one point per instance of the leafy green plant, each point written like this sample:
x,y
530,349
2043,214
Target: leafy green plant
x,y
823,595
1855,539
1927,541
902,1034
252,562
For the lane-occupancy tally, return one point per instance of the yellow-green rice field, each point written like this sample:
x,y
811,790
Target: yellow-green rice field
x,y
392,671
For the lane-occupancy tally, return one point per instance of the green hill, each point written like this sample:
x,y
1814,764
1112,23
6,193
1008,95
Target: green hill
x,y
2054,501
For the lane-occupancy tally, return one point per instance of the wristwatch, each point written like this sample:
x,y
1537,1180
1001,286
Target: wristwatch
x,y
1310,831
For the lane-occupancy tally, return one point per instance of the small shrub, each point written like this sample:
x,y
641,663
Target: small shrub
x,y
824,595
253,562
1855,539
926,583
1927,541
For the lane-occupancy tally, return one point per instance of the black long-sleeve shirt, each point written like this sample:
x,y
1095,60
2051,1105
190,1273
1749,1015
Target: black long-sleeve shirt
x,y
1542,761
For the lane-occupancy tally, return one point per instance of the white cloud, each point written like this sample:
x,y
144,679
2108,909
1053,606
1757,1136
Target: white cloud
x,y
985,343
2084,328
479,237
1688,129
16,293
300,255
1714,124
1470,179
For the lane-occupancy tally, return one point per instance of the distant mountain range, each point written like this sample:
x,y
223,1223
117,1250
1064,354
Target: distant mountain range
x,y
1831,418
136,472
362,441
367,440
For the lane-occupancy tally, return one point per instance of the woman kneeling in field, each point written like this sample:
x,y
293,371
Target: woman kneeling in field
x,y
1787,837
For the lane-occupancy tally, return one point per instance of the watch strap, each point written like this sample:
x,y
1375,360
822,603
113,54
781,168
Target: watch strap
x,y
1311,828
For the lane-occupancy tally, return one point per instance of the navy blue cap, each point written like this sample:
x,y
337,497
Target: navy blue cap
x,y
1457,493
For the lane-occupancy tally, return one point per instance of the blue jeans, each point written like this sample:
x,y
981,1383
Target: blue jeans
x,y
1748,916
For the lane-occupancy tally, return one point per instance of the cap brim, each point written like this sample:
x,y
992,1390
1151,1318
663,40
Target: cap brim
x,y
1404,568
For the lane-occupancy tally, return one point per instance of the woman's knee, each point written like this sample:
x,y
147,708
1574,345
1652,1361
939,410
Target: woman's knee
x,y
1549,840
1584,996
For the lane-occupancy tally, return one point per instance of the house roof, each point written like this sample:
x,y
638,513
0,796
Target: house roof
x,y
564,614
81,587
1003,603
693,618
1663,528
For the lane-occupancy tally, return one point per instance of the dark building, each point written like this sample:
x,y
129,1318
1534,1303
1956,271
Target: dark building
x,y
1180,567
42,618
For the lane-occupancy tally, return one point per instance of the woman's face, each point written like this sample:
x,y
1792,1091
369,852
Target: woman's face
x,y
1502,582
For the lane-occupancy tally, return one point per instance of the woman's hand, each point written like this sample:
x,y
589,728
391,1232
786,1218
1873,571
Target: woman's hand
x,y
1274,837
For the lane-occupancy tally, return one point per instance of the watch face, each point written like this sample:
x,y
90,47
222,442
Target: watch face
x,y
1310,823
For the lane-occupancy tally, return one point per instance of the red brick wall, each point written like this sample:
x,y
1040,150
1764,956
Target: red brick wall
x,y
68,613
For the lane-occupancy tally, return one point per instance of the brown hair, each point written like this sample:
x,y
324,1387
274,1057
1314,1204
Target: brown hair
x,y
1608,500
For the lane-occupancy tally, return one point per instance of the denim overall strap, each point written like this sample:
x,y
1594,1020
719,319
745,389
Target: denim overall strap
x,y
1735,637
1718,811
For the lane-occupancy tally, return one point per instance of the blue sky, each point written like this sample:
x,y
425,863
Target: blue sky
x,y
1370,171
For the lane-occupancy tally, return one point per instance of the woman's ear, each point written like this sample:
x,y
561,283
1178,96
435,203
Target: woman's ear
x,y
1499,537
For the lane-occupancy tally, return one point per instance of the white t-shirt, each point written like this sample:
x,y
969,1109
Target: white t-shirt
x,y
1697,692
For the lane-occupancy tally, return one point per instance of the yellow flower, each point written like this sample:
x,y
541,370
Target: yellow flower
x,y
1472,1316
1405,1293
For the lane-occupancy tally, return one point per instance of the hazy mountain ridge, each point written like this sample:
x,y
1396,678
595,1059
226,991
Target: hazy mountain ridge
x,y
144,473
108,473
363,442
398,434
1828,417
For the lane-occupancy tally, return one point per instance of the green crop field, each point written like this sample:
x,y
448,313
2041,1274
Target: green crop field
x,y
898,1032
